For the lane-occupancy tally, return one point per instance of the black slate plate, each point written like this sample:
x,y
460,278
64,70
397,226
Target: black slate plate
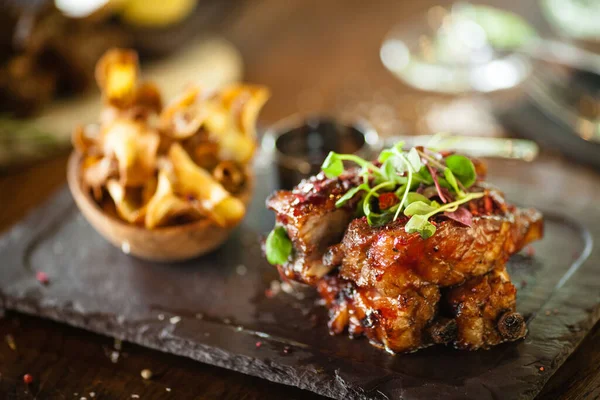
x,y
221,312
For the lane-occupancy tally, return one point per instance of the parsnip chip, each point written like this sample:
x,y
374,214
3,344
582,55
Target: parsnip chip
x,y
135,148
245,102
183,117
233,119
128,205
224,209
230,175
84,139
165,205
97,171
117,74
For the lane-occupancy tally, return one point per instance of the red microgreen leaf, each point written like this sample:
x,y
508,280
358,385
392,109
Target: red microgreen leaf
x,y
461,215
433,173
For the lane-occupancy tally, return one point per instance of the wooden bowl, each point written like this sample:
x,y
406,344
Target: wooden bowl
x,y
173,243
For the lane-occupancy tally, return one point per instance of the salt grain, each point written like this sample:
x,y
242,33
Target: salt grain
x,y
241,270
287,288
114,357
125,248
199,316
146,374
168,389
174,320
92,394
161,317
135,396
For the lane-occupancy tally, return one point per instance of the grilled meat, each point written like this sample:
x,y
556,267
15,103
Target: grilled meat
x,y
313,223
484,310
392,260
480,313
401,290
396,323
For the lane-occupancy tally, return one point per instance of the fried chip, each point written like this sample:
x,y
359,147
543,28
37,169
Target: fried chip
x,y
232,124
229,175
225,210
84,139
128,205
117,74
183,117
157,166
245,102
135,149
164,206
97,171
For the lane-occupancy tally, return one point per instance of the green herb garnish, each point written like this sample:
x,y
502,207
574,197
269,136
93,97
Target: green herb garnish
x,y
278,246
402,173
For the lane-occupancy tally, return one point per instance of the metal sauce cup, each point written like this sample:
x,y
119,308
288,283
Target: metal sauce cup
x,y
300,145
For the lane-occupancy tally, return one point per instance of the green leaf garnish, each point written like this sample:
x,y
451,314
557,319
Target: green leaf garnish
x,y
462,168
418,208
420,224
451,179
399,173
278,246
350,194
333,165
411,197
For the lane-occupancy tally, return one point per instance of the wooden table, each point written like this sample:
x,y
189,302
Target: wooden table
x,y
310,53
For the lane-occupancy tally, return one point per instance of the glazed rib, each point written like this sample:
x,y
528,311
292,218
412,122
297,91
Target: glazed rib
x,y
400,290
313,223
391,259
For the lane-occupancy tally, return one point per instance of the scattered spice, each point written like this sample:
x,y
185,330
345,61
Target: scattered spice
x,y
287,350
28,379
542,369
10,341
258,344
146,374
42,277
273,290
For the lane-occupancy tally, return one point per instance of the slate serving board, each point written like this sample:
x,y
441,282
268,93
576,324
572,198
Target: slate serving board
x,y
215,310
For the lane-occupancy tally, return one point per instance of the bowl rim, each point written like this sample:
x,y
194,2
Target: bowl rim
x,y
372,140
74,183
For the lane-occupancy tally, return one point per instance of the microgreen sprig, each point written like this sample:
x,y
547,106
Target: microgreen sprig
x,y
401,172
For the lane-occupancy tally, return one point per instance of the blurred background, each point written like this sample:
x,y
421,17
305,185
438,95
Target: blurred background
x,y
494,68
